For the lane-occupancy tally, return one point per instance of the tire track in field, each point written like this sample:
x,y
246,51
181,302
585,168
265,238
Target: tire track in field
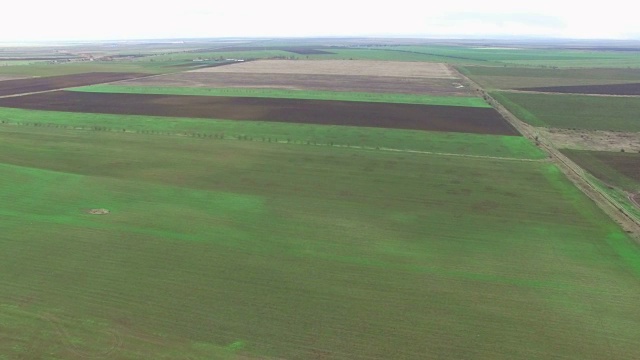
x,y
116,340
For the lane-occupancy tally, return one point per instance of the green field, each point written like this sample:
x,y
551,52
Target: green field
x,y
574,111
353,136
288,251
498,77
466,101
531,57
43,69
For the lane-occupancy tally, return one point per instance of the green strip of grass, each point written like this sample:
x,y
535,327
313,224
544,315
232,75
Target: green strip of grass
x,y
455,143
291,94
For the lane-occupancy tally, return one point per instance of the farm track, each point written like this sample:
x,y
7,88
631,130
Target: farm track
x,y
521,91
629,222
629,89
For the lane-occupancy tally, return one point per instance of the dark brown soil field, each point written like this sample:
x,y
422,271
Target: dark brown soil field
x,y
615,168
25,86
398,116
611,89
627,164
352,83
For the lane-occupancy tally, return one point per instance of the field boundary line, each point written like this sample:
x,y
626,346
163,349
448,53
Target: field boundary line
x,y
562,93
442,153
616,211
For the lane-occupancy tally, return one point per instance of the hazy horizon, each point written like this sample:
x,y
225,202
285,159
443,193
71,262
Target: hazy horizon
x,y
72,20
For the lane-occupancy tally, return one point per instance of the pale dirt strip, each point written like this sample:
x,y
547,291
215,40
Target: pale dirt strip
x,y
562,93
442,154
338,67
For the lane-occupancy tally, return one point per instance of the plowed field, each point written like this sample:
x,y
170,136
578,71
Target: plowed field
x,y
398,116
25,86
611,89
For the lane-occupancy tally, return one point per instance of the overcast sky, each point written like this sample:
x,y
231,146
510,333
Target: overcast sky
x,y
40,20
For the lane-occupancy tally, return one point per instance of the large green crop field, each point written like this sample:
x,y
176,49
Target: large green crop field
x,y
574,111
468,101
222,247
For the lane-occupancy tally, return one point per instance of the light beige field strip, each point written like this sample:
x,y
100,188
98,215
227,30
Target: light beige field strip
x,y
338,67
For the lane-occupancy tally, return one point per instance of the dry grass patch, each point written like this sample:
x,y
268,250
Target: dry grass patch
x,y
339,67
596,140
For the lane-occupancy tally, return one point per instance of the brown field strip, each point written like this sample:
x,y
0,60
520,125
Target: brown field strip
x,y
627,164
383,115
340,67
25,86
611,89
374,84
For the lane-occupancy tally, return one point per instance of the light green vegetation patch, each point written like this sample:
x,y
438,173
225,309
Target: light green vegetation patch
x,y
574,111
465,101
528,56
442,142
47,69
498,77
270,250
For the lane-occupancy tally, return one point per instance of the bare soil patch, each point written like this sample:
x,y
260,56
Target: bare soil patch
x,y
340,67
374,84
13,77
25,86
610,89
597,140
627,164
98,211
398,116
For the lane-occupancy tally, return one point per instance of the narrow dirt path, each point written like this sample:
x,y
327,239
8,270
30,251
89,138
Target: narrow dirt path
x,y
628,221
564,93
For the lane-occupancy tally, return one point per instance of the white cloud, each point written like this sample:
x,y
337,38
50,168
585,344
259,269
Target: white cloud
x,y
121,19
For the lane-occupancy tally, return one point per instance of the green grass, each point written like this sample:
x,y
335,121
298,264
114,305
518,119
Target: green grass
x,y
574,111
529,56
443,142
292,94
42,69
498,77
286,251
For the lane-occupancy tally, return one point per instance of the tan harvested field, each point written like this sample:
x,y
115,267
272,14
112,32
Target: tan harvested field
x,y
596,140
375,84
607,89
339,67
